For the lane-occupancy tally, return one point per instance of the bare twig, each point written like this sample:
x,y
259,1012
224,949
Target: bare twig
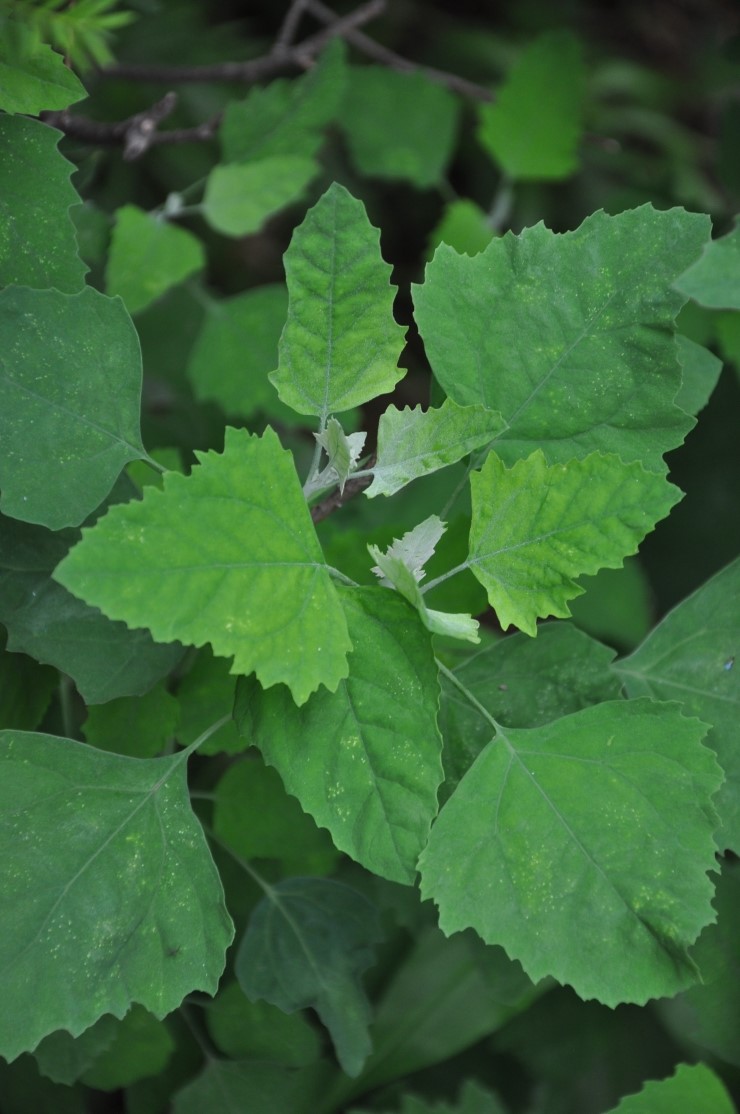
x,y
337,498
287,33
137,133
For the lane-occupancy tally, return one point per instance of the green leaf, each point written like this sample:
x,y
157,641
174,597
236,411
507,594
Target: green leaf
x,y
83,830
538,320
206,694
142,1047
714,279
413,442
148,255
693,1088
258,1031
533,128
700,370
257,819
536,527
343,452
236,348
582,846
307,944
340,344
33,80
105,659
364,761
239,199
690,656
464,226
617,605
70,391
386,119
247,1085
227,555
38,246
287,116
25,689
64,1058
520,682
139,726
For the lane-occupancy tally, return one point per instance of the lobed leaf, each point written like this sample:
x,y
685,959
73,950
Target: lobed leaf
x,y
582,847
148,255
106,872
340,344
227,555
536,527
34,79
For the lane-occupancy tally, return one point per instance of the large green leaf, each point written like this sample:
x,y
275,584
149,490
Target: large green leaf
x,y
340,344
70,390
690,656
363,761
567,335
533,127
536,527
714,279
413,442
307,944
582,846
386,117
227,555
286,116
33,77
106,660
240,198
693,1088
112,896
38,246
148,255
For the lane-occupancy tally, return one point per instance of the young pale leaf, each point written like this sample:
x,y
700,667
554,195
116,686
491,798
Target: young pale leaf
x,y
227,555
533,128
413,443
343,452
112,895
714,279
38,246
106,660
585,315
415,548
70,397
583,846
35,79
693,1088
307,944
148,255
690,656
536,527
700,370
340,344
363,761
287,116
239,199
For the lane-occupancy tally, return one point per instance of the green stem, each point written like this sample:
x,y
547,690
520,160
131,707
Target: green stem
x,y
461,688
341,577
445,576
154,464
206,735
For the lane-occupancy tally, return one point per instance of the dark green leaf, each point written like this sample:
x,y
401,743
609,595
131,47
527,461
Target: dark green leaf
x,y
714,279
139,726
247,1085
64,1058
25,686
700,371
206,694
141,1047
258,1031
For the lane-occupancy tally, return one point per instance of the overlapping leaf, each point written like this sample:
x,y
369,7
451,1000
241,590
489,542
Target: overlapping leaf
x,y
37,238
700,370
536,527
363,761
583,846
694,1087
105,873
228,556
70,395
539,320
413,442
253,1085
240,198
340,344
33,77
148,255
714,279
690,656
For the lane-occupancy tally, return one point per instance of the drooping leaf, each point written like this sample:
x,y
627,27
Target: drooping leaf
x,y
206,694
700,370
413,442
65,1058
240,198
243,1085
690,656
236,349
536,527
148,255
714,279
112,895
287,116
340,344
106,660
70,390
386,119
35,79
694,1087
582,847
307,944
520,682
533,128
538,320
233,558
363,761
38,246
139,726
258,1031
141,1047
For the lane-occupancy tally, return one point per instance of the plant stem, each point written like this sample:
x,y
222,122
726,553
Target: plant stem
x,y
461,688
445,576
